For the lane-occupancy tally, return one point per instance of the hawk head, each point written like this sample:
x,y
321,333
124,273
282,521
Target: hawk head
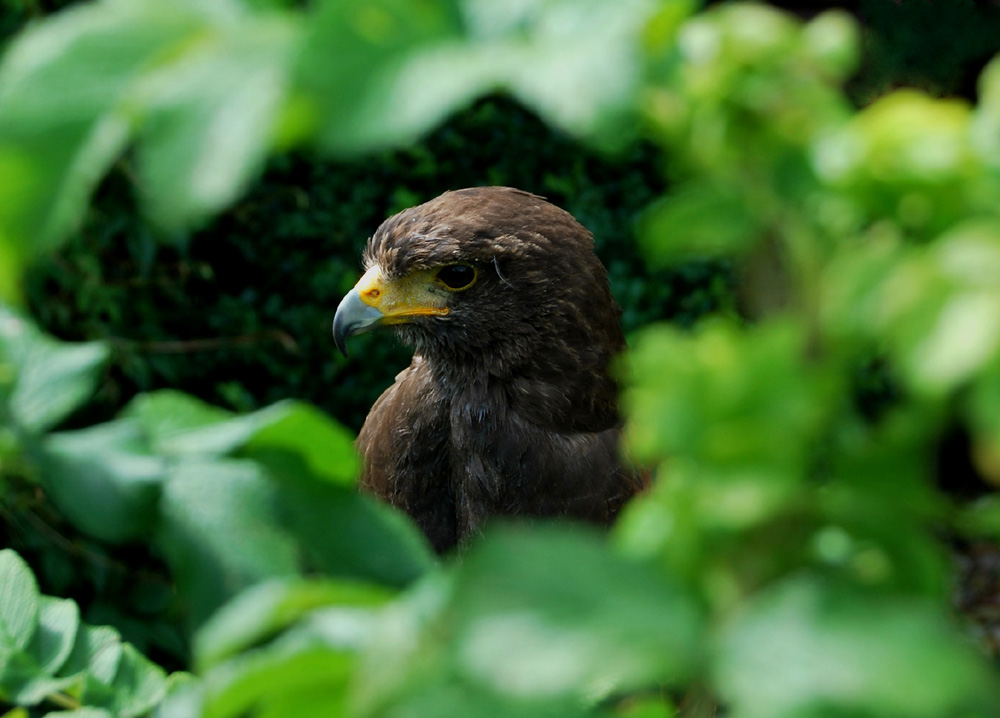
x,y
493,283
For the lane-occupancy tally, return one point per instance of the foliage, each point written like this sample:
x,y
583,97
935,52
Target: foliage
x,y
46,652
787,560
262,331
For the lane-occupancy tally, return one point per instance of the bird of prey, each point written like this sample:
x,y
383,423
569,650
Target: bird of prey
x,y
508,407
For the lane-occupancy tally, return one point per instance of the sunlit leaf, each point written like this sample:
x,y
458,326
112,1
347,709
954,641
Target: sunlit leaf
x,y
552,612
324,446
210,116
576,62
64,107
19,603
351,64
50,378
262,611
105,479
220,531
809,648
35,679
274,676
346,534
139,684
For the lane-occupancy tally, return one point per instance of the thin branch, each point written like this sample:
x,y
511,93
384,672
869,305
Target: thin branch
x,y
187,346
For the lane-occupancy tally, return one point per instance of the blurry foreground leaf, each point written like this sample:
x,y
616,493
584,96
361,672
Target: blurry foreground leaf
x,y
809,648
104,479
46,379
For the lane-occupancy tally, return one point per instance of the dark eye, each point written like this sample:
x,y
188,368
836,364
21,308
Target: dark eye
x,y
457,276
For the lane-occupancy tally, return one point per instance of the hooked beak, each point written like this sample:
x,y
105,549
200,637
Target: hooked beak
x,y
376,300
353,317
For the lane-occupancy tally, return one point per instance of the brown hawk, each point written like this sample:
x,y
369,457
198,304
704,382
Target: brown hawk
x,y
509,407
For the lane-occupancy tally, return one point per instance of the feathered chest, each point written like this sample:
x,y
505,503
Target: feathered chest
x,y
455,455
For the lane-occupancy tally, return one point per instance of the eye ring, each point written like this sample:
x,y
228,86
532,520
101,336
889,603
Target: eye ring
x,y
457,277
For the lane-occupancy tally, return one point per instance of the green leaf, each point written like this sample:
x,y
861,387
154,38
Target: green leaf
x,y
736,413
167,416
552,612
985,130
346,534
96,651
352,66
262,611
104,479
179,425
138,685
184,699
210,116
275,676
193,433
575,62
937,306
61,126
833,40
981,518
20,603
701,220
59,621
811,648
220,531
323,446
81,713
52,378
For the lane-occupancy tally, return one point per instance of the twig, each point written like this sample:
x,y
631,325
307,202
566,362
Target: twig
x,y
186,346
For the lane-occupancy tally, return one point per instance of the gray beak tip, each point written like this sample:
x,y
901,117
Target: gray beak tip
x,y
353,317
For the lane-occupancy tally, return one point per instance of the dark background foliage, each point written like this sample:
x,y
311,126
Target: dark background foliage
x,y
238,312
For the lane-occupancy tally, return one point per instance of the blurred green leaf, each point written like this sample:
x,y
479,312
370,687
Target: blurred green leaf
x,y
936,306
553,612
270,680
167,417
346,534
182,425
575,62
138,684
179,425
809,648
50,378
981,519
220,531
352,65
29,684
986,116
19,603
65,110
734,399
105,479
262,611
96,651
210,116
701,220
983,416
325,447
833,40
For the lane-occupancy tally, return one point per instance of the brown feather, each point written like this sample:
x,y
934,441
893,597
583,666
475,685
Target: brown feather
x,y
509,407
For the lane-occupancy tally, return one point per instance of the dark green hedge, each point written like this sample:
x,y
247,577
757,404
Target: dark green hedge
x,y
240,312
